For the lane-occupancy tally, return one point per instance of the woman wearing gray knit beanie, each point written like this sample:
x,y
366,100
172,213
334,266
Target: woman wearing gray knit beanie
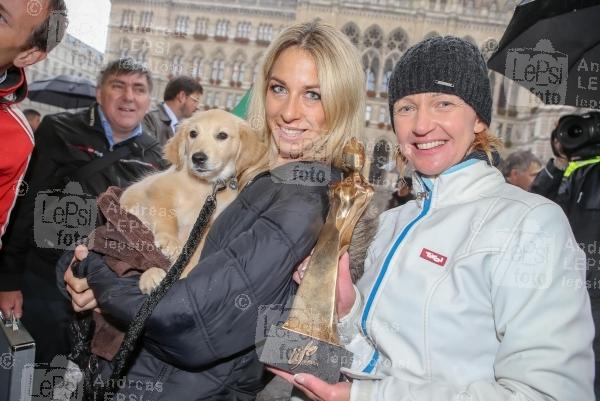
x,y
475,291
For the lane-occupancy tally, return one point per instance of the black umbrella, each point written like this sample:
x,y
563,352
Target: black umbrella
x,y
66,91
551,47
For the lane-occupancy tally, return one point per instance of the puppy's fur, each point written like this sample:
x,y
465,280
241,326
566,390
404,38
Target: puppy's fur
x,y
208,146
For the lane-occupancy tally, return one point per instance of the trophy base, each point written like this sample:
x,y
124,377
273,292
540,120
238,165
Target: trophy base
x,y
298,353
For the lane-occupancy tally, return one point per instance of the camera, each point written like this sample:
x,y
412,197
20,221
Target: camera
x,y
579,135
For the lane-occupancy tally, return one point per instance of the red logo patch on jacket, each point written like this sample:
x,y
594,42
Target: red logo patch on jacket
x,y
433,257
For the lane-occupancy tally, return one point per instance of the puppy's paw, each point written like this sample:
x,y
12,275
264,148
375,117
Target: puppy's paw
x,y
169,245
150,279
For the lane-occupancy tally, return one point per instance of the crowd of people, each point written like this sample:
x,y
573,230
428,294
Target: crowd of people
x,y
470,290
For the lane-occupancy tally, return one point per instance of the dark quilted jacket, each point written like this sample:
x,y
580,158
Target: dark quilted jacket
x,y
199,342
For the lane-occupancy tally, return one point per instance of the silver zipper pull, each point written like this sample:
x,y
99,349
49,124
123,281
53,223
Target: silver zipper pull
x,y
422,195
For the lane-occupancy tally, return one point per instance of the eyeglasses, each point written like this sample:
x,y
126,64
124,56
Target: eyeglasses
x,y
194,98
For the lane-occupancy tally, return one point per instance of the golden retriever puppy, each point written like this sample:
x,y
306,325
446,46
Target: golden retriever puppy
x,y
208,146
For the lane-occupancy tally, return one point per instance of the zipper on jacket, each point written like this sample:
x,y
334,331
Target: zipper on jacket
x,y
363,324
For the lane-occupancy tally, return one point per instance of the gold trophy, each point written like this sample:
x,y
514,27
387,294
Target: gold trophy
x,y
308,342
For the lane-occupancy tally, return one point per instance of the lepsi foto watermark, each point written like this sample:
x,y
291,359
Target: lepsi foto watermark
x,y
63,217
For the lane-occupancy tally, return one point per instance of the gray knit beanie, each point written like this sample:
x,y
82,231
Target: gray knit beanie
x,y
443,64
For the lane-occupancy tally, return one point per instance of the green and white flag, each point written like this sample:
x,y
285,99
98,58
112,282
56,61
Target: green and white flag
x,y
241,109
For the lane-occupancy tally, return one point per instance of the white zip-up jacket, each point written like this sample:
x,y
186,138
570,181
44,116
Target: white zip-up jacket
x,y
473,292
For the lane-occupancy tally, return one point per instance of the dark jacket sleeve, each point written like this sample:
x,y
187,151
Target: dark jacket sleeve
x,y
213,313
19,235
547,182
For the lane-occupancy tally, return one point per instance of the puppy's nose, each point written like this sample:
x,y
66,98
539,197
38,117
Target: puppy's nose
x,y
199,158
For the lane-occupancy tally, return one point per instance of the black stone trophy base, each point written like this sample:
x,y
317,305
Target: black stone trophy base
x,y
298,353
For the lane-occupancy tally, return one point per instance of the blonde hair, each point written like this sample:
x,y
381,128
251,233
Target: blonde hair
x,y
341,81
486,142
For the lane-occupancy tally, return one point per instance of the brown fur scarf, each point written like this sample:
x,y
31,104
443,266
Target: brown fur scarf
x,y
363,234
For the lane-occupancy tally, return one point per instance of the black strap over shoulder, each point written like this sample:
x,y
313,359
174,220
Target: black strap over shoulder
x,y
101,163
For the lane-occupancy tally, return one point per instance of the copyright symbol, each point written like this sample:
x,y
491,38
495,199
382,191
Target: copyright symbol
x,y
256,123
34,7
492,45
6,361
242,302
23,188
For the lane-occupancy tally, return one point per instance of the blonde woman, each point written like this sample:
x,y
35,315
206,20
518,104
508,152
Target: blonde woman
x,y
199,342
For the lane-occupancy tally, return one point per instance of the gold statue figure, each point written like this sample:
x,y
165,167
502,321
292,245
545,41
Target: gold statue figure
x,y
312,342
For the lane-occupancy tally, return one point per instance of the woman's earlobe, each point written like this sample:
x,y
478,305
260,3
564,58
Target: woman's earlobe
x,y
480,126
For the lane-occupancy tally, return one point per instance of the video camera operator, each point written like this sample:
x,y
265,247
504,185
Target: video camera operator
x,y
572,179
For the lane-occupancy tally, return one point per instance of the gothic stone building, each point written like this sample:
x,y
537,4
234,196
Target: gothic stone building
x,y
221,44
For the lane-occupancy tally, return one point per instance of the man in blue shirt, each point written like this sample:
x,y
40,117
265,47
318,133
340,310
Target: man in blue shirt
x,y
181,99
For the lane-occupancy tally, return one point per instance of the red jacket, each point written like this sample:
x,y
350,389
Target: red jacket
x,y
16,137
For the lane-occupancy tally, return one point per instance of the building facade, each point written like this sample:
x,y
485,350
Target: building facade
x,y
222,43
71,57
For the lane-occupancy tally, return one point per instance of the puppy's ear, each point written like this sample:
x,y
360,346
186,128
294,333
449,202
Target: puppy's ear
x,y
175,147
251,148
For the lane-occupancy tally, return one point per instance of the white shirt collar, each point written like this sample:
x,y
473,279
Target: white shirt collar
x,y
3,76
172,116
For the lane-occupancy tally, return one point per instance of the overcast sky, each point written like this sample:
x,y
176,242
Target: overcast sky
x,y
88,21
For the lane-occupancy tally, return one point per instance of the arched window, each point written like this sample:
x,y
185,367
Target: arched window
x,y
127,18
181,24
370,62
197,66
265,33
383,114
269,33
243,29
209,99
218,69
229,102
398,40
146,19
257,63
222,29
177,65
370,79
373,37
239,69
352,32
388,68
201,26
